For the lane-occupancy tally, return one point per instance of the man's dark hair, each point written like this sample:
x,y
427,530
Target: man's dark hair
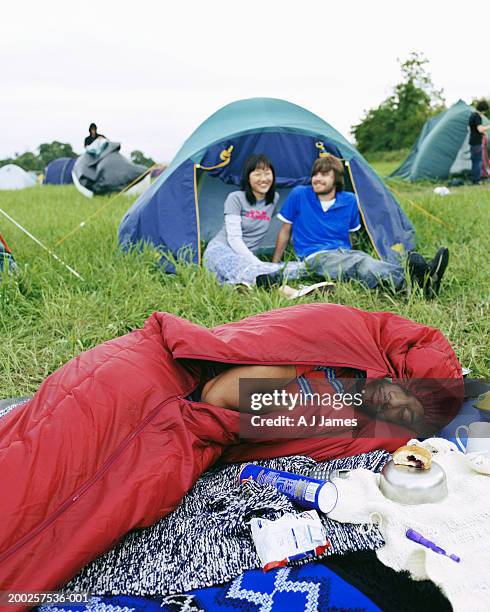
x,y
330,162
252,163
92,125
482,106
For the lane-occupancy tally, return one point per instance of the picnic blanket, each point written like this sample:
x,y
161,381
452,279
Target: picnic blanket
x,y
207,539
459,523
305,588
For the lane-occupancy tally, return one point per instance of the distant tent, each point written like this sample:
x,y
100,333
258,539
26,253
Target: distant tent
x,y
185,203
442,148
14,177
58,172
106,172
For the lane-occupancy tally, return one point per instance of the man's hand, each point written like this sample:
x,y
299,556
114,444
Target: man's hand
x,y
282,242
353,236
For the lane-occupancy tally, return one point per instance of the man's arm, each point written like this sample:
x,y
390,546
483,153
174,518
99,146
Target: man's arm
x,y
223,390
355,223
282,242
483,128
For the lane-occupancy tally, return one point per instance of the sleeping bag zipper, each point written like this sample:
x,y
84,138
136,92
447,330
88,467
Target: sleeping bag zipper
x,y
86,486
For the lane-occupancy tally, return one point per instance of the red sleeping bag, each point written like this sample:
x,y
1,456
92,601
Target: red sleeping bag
x,y
109,444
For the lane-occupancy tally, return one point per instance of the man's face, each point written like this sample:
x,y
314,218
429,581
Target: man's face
x,y
392,403
323,182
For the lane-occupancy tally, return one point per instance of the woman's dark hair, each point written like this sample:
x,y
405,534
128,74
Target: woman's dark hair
x,y
330,162
92,125
252,163
482,106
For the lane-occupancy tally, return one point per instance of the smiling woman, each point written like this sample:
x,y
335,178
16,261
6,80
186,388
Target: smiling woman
x,y
231,253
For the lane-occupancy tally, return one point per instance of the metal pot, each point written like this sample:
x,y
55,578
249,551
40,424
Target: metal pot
x,y
408,485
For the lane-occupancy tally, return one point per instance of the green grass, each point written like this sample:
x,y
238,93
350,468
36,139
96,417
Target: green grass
x,y
47,315
386,162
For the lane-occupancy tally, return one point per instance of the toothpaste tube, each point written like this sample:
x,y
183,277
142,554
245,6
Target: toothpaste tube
x,y
289,538
415,536
309,493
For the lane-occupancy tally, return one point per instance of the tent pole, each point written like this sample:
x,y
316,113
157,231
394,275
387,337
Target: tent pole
x,y
198,219
225,157
110,201
74,272
360,209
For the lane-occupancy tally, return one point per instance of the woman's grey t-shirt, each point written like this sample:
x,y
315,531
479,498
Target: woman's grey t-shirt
x,y
256,219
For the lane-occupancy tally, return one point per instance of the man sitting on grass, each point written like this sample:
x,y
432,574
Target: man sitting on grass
x,y
322,218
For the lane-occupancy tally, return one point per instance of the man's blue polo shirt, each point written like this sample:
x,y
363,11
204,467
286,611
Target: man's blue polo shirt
x,y
315,230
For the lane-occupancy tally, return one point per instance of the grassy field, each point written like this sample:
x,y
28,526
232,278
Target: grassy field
x,y
387,161
47,315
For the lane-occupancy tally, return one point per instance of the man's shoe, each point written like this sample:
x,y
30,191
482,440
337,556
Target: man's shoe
x,y
266,281
437,267
418,269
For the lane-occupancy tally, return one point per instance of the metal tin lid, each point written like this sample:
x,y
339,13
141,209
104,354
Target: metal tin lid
x,y
409,485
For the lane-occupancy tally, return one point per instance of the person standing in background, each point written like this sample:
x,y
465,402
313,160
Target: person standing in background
x,y
477,130
93,135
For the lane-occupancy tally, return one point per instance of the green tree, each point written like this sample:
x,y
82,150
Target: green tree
x,y
396,122
54,150
7,160
28,161
47,153
138,157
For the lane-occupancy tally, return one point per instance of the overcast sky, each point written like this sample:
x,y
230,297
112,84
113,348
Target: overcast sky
x,y
148,73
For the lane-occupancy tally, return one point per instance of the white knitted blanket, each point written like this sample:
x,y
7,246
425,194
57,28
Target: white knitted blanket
x,y
460,524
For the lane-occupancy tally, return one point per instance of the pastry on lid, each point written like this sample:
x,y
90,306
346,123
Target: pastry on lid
x,y
414,456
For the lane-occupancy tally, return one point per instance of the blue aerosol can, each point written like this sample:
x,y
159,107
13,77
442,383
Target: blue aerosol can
x,y
307,492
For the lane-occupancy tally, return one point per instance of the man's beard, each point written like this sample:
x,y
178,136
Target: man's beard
x,y
325,191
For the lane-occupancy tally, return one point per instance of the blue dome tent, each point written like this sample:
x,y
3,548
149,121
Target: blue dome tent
x,y
185,204
58,172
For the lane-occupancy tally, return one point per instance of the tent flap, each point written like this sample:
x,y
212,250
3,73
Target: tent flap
x,y
388,227
170,222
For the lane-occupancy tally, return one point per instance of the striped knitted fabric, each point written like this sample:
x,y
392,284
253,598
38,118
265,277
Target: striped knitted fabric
x,y
8,405
206,541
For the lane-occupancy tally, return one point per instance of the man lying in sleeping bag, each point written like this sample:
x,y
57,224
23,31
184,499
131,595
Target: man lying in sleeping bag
x,y
111,441
380,397
287,401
